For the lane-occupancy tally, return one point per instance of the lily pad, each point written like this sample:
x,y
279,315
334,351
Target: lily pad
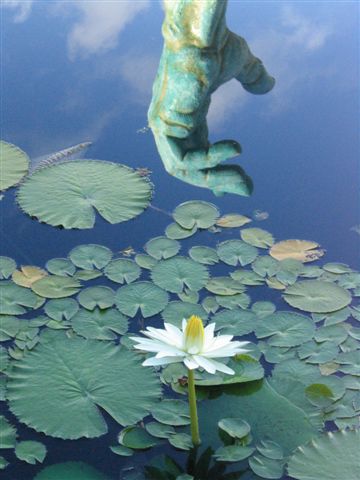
x,y
241,300
179,272
27,275
137,438
60,266
233,453
55,286
232,220
172,412
68,194
266,266
72,377
328,457
7,267
176,232
122,270
98,296
303,250
15,299
181,440
159,430
257,237
162,248
145,261
233,252
224,286
235,322
9,327
317,296
246,369
205,255
146,296
235,427
247,277
196,214
61,309
8,434
14,165
70,471
266,467
30,451
174,312
90,256
100,324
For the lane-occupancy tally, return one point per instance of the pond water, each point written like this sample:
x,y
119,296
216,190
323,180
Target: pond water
x,y
76,72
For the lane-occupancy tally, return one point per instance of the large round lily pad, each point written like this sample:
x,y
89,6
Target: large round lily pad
x,y
146,296
55,286
90,256
14,164
177,273
233,252
328,457
15,299
317,296
69,193
196,214
58,386
99,324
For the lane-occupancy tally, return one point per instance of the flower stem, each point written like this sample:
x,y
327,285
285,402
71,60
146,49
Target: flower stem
x,y
193,409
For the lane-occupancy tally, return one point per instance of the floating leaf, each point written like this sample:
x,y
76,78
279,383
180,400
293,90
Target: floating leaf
x,y
55,286
318,352
233,453
87,274
172,412
270,449
285,329
99,296
145,261
176,232
302,250
181,440
263,309
257,237
122,451
328,457
233,252
317,296
68,194
60,266
3,463
205,255
232,220
162,248
177,272
196,214
266,266
4,359
319,394
70,471
9,326
146,296
338,268
266,467
8,434
246,370
189,296
137,438
122,270
14,165
100,324
275,284
232,301
60,309
224,286
174,312
210,304
159,430
30,451
27,275
247,277
235,427
72,376
7,267
90,256
235,322
14,299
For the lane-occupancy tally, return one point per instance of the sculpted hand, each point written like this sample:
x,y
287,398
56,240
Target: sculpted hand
x,y
199,55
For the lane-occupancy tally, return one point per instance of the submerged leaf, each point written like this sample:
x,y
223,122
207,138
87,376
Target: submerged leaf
x,y
68,194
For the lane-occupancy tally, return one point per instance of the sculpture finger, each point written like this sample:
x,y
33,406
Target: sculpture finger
x,y
212,156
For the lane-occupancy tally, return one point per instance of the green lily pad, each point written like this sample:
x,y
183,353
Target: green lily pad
x,y
328,457
315,352
146,296
87,274
235,427
3,463
266,266
72,377
270,449
90,256
60,266
136,438
235,322
232,220
174,312
99,296
189,296
7,267
233,453
196,214
247,277
100,324
159,430
4,359
145,261
224,286
68,194
263,309
30,451
317,296
15,299
176,232
122,451
122,270
266,467
61,309
162,248
172,412
285,329
338,268
9,327
210,304
8,434
233,301
14,165
233,252
205,255
246,369
70,471
55,286
177,273
181,441
257,237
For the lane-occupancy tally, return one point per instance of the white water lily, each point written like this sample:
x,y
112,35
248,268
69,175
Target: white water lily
x,y
194,345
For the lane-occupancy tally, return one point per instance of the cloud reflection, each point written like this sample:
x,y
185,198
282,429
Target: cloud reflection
x,y
22,7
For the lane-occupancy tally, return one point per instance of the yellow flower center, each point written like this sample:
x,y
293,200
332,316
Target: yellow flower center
x,y
194,335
